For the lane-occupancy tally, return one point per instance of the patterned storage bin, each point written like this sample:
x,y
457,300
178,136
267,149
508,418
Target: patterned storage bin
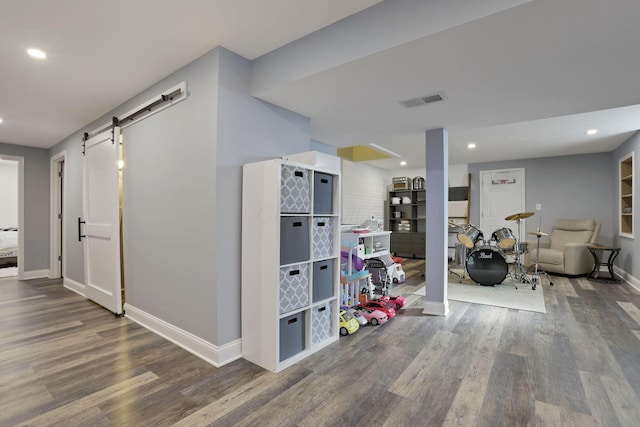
x,y
294,287
322,237
321,316
295,196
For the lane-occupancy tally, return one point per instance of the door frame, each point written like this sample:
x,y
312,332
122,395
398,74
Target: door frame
x,y
55,231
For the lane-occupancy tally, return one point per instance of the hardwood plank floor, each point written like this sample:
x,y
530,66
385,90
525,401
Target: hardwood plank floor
x,y
66,361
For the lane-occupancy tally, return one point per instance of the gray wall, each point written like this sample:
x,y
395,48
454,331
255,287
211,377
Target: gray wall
x,y
182,193
36,205
249,130
169,204
567,187
629,248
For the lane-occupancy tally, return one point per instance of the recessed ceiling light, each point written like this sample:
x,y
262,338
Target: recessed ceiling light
x,y
1,120
592,131
471,145
36,53
403,163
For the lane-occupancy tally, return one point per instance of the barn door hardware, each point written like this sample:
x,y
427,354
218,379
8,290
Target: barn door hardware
x,y
80,235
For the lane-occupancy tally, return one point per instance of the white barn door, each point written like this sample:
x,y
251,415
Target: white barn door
x,y
100,194
501,195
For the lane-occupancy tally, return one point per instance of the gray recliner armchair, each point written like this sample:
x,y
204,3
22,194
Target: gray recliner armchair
x,y
566,251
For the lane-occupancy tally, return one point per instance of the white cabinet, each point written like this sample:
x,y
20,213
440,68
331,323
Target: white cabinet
x,y
290,261
367,245
370,245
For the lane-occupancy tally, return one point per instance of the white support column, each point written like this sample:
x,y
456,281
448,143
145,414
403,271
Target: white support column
x,y
437,207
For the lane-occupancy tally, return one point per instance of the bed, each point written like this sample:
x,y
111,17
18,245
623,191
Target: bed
x,y
8,247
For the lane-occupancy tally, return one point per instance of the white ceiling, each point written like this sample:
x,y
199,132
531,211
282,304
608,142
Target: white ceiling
x,y
522,82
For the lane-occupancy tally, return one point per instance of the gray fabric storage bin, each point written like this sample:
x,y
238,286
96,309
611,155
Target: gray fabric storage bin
x,y
294,239
323,279
291,335
295,194
322,193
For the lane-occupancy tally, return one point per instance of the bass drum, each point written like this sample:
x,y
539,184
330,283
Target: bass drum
x,y
487,266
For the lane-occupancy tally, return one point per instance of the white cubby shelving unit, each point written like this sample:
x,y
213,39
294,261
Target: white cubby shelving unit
x,y
290,258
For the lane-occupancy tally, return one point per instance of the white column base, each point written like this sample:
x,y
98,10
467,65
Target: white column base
x,y
434,308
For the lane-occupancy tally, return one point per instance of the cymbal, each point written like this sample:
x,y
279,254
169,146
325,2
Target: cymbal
x,y
537,233
521,215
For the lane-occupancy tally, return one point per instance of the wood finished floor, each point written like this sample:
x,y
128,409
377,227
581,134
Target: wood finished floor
x,y
65,361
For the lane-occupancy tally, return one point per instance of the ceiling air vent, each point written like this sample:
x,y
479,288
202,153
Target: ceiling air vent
x,y
423,100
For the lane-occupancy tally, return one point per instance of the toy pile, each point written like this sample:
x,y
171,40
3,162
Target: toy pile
x,y
369,280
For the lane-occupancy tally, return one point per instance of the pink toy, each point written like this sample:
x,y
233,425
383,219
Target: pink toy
x,y
375,317
395,301
379,305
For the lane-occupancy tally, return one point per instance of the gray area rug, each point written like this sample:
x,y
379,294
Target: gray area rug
x,y
502,295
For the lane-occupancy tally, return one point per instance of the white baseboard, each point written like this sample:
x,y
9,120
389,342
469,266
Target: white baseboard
x,y
633,281
34,274
74,286
435,308
216,355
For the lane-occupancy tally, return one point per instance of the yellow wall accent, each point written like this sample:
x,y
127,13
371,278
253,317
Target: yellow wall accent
x,y
361,153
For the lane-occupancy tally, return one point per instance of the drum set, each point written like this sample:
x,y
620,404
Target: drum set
x,y
486,260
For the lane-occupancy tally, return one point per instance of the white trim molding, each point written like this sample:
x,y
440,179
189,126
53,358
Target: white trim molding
x,y
634,282
34,274
74,286
215,355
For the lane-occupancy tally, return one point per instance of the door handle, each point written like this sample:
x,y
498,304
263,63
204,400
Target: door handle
x,y
80,235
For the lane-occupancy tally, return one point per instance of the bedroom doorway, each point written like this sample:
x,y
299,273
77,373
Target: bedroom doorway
x,y
10,215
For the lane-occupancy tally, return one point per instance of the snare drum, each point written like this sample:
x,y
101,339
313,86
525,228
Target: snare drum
x,y
519,248
469,236
487,266
504,238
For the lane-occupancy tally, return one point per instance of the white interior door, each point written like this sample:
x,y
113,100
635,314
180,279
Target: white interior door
x,y
101,220
501,195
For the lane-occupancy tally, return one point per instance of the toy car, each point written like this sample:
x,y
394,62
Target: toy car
x,y
362,320
348,323
375,317
396,301
386,308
